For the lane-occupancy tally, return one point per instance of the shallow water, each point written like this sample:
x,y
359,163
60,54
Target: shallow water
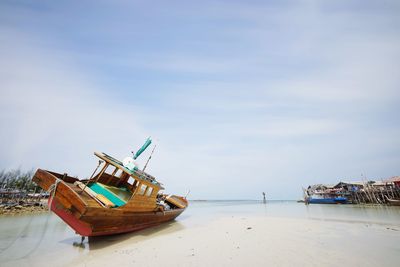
x,y
31,240
349,213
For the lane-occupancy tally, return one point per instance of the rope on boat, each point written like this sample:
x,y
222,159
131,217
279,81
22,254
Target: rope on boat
x,y
100,162
52,190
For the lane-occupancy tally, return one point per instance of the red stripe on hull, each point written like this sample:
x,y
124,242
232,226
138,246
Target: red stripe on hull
x,y
80,227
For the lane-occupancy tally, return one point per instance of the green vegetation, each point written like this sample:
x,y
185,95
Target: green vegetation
x,y
17,180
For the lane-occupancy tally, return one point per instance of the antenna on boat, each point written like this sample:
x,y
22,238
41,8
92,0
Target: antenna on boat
x,y
151,154
187,194
100,162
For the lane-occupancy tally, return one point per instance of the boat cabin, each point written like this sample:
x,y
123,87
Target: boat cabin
x,y
117,186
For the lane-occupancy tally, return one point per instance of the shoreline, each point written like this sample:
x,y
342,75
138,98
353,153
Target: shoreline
x,y
22,208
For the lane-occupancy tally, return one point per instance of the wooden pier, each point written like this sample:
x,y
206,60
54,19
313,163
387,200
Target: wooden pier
x,y
385,192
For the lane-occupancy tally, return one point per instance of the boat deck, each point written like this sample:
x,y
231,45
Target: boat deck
x,y
85,196
119,196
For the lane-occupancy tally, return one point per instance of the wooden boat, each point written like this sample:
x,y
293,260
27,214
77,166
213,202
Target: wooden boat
x,y
116,200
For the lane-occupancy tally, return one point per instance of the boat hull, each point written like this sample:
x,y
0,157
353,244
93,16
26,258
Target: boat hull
x,y
109,224
337,200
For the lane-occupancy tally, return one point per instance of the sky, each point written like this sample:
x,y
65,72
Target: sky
x,y
240,97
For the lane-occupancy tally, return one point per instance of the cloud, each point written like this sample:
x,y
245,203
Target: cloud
x,y
241,96
53,116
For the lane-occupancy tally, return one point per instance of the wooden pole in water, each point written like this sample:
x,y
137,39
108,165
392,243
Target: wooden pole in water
x,y
369,194
357,198
365,196
383,196
391,190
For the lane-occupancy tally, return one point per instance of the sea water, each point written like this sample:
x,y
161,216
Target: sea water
x,y
33,240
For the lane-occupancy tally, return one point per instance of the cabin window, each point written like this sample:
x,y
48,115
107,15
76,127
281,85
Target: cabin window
x,y
110,170
142,189
118,173
131,181
149,191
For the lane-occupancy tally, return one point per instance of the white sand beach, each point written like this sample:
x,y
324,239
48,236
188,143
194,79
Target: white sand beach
x,y
257,241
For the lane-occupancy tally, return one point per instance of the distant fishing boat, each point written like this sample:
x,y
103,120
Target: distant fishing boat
x,y
120,198
327,200
322,194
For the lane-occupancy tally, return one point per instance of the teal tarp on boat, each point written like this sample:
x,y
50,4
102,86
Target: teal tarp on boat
x,y
99,189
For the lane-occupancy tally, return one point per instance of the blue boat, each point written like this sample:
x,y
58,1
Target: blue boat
x,y
327,200
324,194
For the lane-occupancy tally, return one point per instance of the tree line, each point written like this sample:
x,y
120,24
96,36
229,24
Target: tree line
x,y
18,179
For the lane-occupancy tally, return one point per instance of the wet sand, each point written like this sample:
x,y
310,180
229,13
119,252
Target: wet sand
x,y
22,209
231,236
